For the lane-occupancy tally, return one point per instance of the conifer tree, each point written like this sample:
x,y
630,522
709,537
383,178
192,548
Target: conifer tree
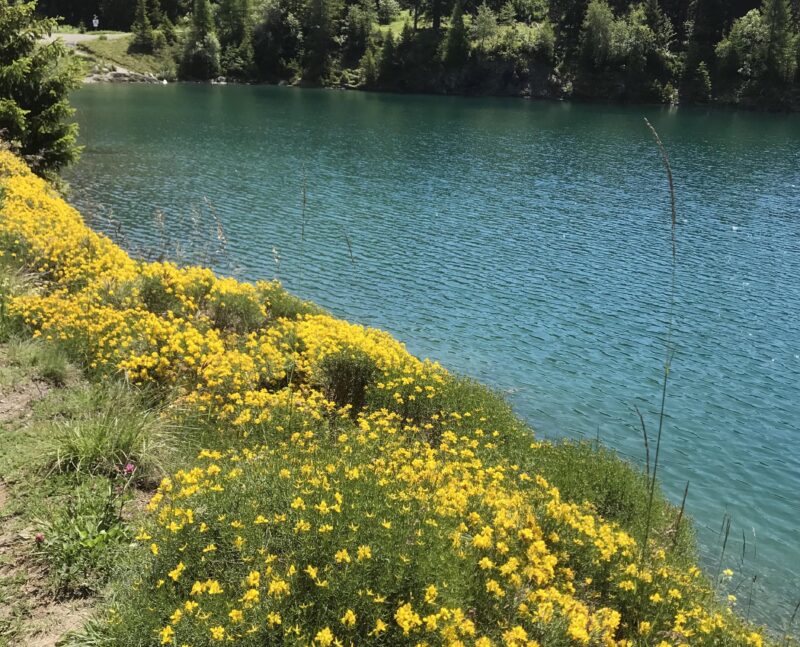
x,y
456,44
388,65
484,25
201,58
35,82
142,29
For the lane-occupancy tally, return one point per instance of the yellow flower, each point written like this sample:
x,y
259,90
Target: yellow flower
x,y
217,633
407,619
380,627
278,588
364,552
430,594
515,637
349,618
175,573
324,637
273,618
166,635
212,587
236,616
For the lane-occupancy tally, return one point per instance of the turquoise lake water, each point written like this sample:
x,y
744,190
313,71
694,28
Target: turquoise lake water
x,y
525,244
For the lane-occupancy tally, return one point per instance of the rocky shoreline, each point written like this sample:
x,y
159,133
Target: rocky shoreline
x,y
115,74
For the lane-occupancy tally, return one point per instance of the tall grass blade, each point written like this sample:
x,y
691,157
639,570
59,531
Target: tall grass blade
x,y
646,442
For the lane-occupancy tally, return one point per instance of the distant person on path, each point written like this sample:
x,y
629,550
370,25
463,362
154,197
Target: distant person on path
x,y
95,22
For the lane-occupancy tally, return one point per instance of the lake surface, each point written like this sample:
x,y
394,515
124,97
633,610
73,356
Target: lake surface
x,y
525,244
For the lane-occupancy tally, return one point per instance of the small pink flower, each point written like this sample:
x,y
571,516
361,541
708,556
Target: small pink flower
x,y
39,537
129,469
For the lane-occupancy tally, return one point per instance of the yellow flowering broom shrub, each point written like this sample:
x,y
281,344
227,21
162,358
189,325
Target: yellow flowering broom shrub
x,y
358,495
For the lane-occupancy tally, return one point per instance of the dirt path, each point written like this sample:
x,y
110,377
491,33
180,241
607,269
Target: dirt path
x,y
74,40
30,615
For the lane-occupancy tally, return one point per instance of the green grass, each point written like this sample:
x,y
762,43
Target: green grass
x,y
83,514
112,429
396,26
161,63
43,360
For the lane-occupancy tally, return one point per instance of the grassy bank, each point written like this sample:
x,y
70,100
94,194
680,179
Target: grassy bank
x,y
116,52
324,486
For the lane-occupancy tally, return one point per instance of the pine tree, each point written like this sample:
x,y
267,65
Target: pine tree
x,y
201,58
35,82
156,13
388,65
484,24
456,44
660,23
369,69
202,19
234,20
142,29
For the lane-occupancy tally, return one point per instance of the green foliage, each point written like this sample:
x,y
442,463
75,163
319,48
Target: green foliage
x,y
779,56
388,64
283,305
345,376
484,24
743,52
201,55
278,41
234,18
632,50
456,42
319,19
369,69
35,82
143,36
507,14
388,11
358,24
757,58
201,59
597,34
80,542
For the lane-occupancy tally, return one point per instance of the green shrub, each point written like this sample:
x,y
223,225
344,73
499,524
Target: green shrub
x,y
238,311
345,377
201,59
158,296
283,305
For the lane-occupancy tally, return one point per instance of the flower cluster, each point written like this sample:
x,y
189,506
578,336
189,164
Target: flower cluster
x,y
364,498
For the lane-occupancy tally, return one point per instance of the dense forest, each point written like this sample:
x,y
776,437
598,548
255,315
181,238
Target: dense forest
x,y
730,51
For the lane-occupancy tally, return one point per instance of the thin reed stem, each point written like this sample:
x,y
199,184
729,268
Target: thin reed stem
x,y
726,527
791,622
646,443
669,348
680,516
